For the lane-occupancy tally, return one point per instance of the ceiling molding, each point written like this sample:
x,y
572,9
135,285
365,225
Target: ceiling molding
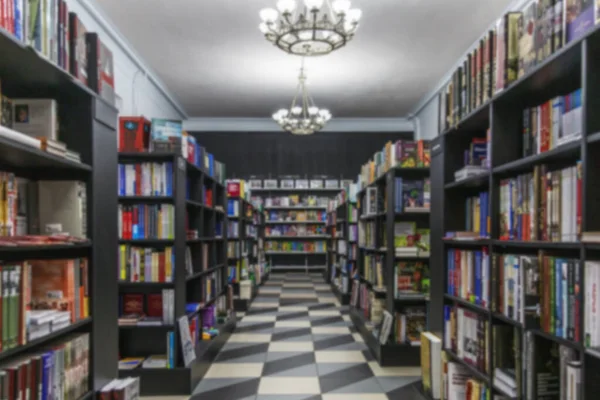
x,y
268,125
100,17
514,5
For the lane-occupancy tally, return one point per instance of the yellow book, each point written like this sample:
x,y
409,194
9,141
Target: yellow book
x,y
122,255
477,211
425,363
443,392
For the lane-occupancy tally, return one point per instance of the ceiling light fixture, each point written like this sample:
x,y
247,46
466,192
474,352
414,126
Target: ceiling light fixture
x,y
315,28
303,117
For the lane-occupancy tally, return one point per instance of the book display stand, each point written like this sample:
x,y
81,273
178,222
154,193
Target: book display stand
x,y
88,127
193,234
537,209
376,289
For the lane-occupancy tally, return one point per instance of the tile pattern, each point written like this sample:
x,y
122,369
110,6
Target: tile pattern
x,y
297,343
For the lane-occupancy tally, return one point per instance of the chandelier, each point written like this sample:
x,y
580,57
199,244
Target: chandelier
x,y
303,117
314,28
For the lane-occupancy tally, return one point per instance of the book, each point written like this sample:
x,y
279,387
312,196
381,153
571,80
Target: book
x,y
134,134
431,364
580,17
101,77
527,32
166,136
62,207
36,117
77,48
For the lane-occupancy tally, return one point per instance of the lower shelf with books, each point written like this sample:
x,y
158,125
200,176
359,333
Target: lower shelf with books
x,y
387,355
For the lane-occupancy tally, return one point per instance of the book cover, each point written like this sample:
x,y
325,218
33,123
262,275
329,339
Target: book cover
x,y
53,285
412,192
409,155
36,117
512,47
527,54
579,17
166,135
500,55
101,77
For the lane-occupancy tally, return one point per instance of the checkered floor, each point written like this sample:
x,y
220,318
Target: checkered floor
x,y
297,343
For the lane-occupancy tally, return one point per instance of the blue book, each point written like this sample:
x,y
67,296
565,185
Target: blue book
x,y
47,381
478,282
558,265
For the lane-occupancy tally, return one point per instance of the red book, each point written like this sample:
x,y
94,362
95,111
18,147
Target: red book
x,y
161,267
457,280
545,127
578,198
138,179
155,305
133,304
233,189
134,134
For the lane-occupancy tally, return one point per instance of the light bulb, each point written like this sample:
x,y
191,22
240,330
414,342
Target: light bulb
x,y
263,28
313,110
305,35
354,15
313,4
341,6
296,110
268,15
286,6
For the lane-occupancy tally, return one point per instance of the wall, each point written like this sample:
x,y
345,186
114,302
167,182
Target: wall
x,y
426,111
264,154
152,98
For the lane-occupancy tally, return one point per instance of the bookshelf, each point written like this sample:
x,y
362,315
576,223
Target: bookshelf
x,y
183,268
381,212
342,248
501,121
243,251
284,248
88,126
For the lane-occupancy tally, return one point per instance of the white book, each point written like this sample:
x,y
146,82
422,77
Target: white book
x,y
457,379
36,117
573,391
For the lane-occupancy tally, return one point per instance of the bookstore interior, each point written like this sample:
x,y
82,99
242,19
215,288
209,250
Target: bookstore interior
x,y
308,256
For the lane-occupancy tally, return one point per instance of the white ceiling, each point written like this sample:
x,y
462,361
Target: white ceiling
x,y
215,61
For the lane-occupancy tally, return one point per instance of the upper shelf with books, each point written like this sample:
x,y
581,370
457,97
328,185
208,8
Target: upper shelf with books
x,y
24,71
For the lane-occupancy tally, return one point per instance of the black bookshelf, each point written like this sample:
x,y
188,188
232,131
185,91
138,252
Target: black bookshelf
x,y
290,260
574,66
88,126
199,247
392,353
340,263
243,252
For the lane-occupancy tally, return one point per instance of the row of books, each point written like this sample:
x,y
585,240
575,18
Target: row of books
x,y
408,325
60,370
519,41
143,264
295,230
285,245
139,135
469,275
411,278
543,205
364,300
295,201
551,124
204,252
34,122
373,271
403,154
411,195
233,229
30,209
60,36
41,296
478,218
234,249
153,361
290,183
367,234
147,309
146,221
467,334
296,216
524,366
146,179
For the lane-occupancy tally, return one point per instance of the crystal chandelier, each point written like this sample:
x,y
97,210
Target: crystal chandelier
x,y
303,117
314,28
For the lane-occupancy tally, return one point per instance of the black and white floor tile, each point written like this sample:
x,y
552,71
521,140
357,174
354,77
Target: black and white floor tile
x,y
297,343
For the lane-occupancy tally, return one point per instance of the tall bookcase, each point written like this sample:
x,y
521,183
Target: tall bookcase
x,y
293,260
342,247
574,66
88,126
242,253
198,241
382,251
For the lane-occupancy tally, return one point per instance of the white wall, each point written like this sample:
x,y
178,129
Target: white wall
x,y
150,98
426,111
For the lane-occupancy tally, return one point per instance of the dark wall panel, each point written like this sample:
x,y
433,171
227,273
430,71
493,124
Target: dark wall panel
x,y
337,154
